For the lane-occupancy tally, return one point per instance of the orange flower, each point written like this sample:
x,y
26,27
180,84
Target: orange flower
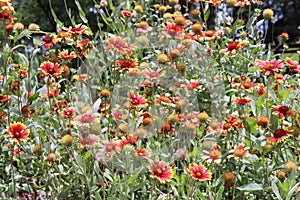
x,y
66,56
126,64
18,132
4,98
240,152
242,101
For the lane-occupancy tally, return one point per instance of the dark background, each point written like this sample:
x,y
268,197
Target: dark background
x,y
287,13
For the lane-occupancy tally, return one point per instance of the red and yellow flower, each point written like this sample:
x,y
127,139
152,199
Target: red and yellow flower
x,y
242,101
50,69
17,132
66,55
282,111
279,136
161,172
68,112
199,172
269,66
293,65
126,64
141,153
136,100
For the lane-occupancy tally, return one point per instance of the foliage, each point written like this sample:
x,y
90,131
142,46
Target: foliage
x,y
156,103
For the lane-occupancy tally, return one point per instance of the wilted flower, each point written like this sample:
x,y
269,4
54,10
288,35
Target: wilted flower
x,y
195,13
181,153
263,121
51,157
143,27
67,140
268,13
119,45
37,149
290,166
86,118
281,175
229,179
231,2
19,26
197,28
33,27
138,8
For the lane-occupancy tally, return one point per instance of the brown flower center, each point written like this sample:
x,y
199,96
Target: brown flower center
x,y
279,133
159,171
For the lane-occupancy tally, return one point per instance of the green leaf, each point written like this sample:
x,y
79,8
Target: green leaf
x,y
275,190
81,12
220,192
292,190
274,122
58,22
207,14
199,194
111,5
252,123
132,178
86,156
251,187
79,161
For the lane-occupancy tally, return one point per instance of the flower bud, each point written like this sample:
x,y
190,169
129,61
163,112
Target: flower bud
x,y
268,13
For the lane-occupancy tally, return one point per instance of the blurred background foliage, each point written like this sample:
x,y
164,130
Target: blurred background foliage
x,y
37,11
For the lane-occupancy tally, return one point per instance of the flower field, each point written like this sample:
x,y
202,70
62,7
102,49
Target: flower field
x,y
165,100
